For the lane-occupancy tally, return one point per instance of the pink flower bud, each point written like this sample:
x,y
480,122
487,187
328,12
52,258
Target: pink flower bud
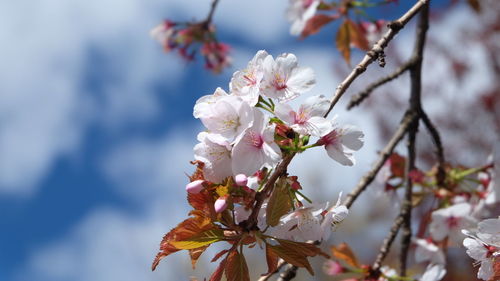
x,y
195,186
332,268
220,204
241,180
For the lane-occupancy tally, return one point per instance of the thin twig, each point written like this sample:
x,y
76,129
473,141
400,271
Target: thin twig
x,y
384,155
251,222
387,243
361,96
441,174
376,51
210,15
415,104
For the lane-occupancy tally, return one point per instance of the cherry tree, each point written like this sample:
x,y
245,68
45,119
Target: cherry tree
x,y
243,196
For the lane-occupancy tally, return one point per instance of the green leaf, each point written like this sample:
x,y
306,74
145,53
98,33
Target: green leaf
x,y
279,203
236,267
205,238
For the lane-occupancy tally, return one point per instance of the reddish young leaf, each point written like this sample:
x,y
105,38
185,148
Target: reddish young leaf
x,y
314,24
195,255
279,204
236,267
343,252
218,255
343,41
272,260
291,256
308,249
202,239
357,37
217,275
186,229
397,164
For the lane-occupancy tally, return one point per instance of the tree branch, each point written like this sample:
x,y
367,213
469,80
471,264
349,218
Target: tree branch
x,y
361,96
408,118
441,174
376,51
251,222
210,15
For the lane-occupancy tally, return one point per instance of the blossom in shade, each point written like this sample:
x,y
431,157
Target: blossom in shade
x,y
229,116
308,120
484,247
433,272
332,218
164,33
427,251
216,56
255,147
299,12
331,268
215,153
195,186
341,142
246,83
449,221
284,79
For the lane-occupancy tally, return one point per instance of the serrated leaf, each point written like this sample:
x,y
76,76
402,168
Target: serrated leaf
x,y
272,260
236,267
205,238
343,41
217,275
292,256
195,254
218,255
314,24
279,203
343,252
308,249
357,37
186,229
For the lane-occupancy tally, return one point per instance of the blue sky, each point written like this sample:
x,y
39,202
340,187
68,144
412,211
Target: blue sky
x,y
96,129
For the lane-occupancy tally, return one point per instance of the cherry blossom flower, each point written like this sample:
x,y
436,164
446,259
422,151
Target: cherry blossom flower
x,y
341,142
447,222
216,56
373,31
388,272
308,120
302,224
203,105
299,12
216,154
433,272
246,83
284,79
255,147
333,217
332,268
229,116
164,33
426,250
484,247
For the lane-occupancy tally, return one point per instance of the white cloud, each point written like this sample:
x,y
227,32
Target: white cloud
x,y
145,169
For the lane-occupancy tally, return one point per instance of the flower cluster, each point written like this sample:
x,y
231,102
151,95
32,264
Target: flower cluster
x,y
189,38
236,192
